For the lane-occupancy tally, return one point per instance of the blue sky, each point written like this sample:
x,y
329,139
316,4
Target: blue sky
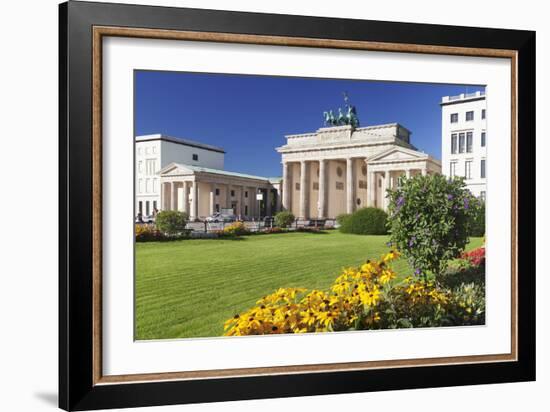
x,y
250,115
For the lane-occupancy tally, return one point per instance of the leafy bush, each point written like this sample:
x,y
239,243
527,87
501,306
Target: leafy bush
x,y
148,233
171,222
477,228
340,219
430,219
236,229
367,297
284,219
365,221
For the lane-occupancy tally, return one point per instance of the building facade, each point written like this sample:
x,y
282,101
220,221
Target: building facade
x,y
340,168
154,152
464,139
334,170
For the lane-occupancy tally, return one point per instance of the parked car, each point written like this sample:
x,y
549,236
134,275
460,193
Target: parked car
x,y
219,217
148,219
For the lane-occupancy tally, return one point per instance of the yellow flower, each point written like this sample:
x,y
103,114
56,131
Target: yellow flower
x,y
326,318
370,297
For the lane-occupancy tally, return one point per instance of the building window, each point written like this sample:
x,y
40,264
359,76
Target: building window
x,y
154,149
339,171
217,191
469,116
150,166
140,186
147,210
468,169
154,185
217,207
358,202
232,193
454,117
483,113
147,185
453,143
315,185
364,170
140,166
483,139
246,193
339,185
195,156
461,143
469,142
246,209
482,168
362,184
482,195
452,170
140,207
297,186
154,205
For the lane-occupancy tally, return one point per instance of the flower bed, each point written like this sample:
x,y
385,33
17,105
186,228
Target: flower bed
x,y
367,297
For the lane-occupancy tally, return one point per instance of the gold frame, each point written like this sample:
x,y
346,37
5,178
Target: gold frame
x,y
101,31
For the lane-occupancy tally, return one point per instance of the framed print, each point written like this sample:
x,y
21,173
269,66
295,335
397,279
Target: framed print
x,y
257,205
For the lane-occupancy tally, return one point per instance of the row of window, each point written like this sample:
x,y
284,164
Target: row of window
x,y
469,116
150,167
148,209
464,142
147,186
467,169
147,150
217,192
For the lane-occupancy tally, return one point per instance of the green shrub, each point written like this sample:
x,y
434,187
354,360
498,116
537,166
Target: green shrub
x,y
477,228
284,219
430,220
341,218
365,221
171,222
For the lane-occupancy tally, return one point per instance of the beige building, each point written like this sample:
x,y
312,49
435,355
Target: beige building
x,y
338,169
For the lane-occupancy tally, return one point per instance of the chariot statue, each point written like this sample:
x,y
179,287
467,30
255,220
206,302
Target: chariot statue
x,y
348,118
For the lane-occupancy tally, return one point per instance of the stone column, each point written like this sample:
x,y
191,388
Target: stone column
x,y
228,196
371,188
268,202
163,196
212,198
186,197
408,173
278,201
194,201
303,190
322,189
424,171
251,202
287,194
241,202
387,183
173,196
350,186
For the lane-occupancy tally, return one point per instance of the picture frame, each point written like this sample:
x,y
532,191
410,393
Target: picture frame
x,y
82,28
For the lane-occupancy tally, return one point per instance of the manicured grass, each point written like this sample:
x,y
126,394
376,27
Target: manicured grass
x,y
188,288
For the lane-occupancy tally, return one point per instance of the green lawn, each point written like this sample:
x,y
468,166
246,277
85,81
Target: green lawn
x,y
188,288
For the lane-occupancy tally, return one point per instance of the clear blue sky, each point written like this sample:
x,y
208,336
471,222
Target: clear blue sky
x,y
250,115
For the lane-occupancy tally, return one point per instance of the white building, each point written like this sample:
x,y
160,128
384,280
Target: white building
x,y
156,151
464,139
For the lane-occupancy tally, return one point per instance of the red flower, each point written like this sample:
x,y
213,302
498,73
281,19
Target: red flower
x,y
475,257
